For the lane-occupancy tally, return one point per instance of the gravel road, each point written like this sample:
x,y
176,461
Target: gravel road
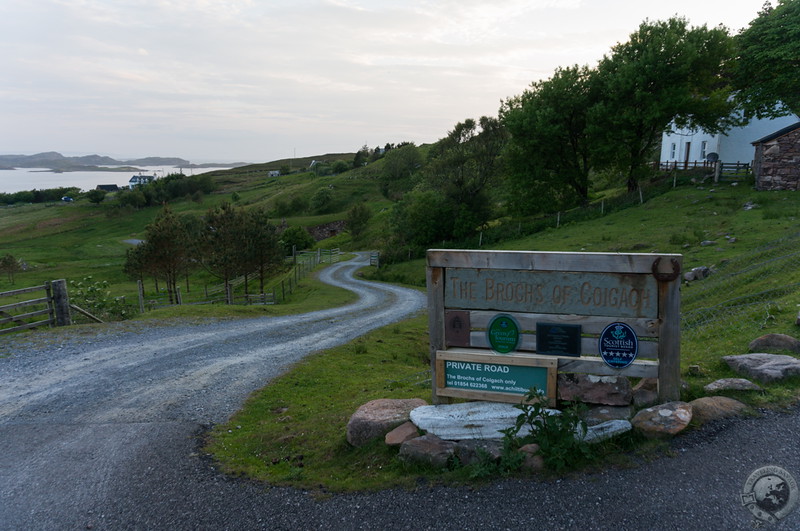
x,y
99,430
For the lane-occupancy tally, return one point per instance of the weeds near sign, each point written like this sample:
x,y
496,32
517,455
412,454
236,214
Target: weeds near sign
x,y
560,436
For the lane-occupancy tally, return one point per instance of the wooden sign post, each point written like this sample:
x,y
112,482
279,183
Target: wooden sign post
x,y
502,322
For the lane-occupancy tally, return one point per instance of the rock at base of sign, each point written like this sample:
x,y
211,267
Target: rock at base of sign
x,y
605,431
473,451
402,433
377,418
428,450
645,393
732,384
764,367
710,408
591,389
470,420
534,461
600,414
664,420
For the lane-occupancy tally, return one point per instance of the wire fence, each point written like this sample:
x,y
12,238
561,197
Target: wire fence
x,y
743,292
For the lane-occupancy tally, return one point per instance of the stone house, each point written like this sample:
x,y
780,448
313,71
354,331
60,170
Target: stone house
x,y
777,160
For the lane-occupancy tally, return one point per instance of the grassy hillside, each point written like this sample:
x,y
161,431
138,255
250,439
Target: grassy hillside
x,y
750,241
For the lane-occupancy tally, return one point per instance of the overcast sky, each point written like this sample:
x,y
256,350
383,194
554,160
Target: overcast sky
x,y
259,80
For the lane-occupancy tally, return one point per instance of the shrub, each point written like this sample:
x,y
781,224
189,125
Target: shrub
x,y
560,436
95,298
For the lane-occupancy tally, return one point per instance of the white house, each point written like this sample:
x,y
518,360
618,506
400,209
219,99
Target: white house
x,y
690,146
139,180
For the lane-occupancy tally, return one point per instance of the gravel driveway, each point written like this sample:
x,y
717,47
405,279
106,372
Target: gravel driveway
x,y
99,431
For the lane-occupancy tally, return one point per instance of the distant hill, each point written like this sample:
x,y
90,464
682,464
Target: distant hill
x,y
158,161
56,161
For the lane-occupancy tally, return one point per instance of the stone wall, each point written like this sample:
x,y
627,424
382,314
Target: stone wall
x,y
777,165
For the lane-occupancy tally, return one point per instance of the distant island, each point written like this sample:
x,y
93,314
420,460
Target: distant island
x,y
56,162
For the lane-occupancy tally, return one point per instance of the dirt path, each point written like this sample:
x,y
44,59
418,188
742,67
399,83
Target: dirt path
x,y
87,421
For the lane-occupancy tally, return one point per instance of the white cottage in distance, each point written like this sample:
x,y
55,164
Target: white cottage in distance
x,y
690,147
140,180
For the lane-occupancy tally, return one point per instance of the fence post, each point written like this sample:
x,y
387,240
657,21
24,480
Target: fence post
x,y
61,302
140,289
178,297
228,294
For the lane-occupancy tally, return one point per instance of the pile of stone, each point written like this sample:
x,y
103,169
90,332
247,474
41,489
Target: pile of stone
x,y
438,434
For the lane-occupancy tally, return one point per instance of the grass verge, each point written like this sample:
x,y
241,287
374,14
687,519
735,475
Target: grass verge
x,y
292,432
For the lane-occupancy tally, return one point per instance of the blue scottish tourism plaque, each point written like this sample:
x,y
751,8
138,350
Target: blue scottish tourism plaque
x,y
618,345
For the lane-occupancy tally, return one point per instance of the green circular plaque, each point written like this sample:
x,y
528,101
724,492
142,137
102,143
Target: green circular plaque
x,y
503,334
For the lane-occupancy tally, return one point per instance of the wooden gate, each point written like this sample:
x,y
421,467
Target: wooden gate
x,y
49,309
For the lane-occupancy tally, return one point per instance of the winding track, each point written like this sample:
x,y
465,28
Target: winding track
x,y
84,424
98,432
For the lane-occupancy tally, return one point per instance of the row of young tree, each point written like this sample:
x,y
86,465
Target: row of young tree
x,y
227,242
551,142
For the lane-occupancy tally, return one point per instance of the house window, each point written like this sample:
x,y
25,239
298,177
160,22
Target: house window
x,y
703,149
672,151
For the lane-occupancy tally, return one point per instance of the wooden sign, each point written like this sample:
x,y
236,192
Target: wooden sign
x,y
560,305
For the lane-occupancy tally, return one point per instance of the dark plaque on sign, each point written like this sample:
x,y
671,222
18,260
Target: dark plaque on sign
x,y
456,328
558,339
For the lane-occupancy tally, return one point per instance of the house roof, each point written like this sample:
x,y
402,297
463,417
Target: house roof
x,y
778,133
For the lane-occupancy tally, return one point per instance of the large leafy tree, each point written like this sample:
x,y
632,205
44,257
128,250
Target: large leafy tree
x,y
550,152
667,72
462,167
766,73
399,167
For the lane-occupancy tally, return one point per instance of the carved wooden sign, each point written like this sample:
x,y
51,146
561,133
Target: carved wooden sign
x,y
504,321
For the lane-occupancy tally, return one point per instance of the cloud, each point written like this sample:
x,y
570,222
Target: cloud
x,y
240,79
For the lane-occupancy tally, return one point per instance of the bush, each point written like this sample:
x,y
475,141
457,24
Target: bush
x,y
560,437
95,298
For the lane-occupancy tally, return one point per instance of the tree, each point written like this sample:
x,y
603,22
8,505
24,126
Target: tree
x,y
399,166
423,217
262,251
340,166
666,72
166,251
9,265
766,72
357,219
550,152
462,166
362,157
222,241
321,200
296,238
96,196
